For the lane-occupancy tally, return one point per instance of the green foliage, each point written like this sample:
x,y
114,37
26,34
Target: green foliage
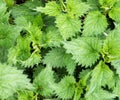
x,y
66,87
95,24
51,8
44,82
114,14
12,80
101,75
84,48
68,26
59,49
58,58
111,46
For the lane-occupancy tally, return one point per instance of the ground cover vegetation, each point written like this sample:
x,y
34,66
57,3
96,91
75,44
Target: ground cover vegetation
x,y
59,49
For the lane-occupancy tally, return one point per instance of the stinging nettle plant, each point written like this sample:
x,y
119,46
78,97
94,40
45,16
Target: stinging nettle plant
x,y
60,50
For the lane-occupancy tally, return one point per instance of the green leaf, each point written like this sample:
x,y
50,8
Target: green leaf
x,y
111,47
21,53
116,64
74,5
101,94
115,14
117,87
101,75
8,35
12,80
65,88
9,2
94,24
107,3
44,82
94,4
53,37
85,50
25,9
51,8
58,58
25,95
68,26
4,15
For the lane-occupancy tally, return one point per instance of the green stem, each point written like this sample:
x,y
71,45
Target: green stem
x,y
78,92
63,5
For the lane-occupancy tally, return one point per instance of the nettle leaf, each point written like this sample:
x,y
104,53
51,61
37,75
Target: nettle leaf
x,y
116,64
25,95
101,94
12,80
85,50
107,3
117,87
74,5
53,37
25,9
67,26
101,75
21,53
8,36
115,14
44,82
111,47
66,87
51,8
58,58
94,4
94,24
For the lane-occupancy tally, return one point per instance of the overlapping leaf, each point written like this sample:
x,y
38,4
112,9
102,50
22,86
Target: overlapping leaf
x,y
74,5
85,50
58,58
116,64
44,82
95,23
51,8
101,76
101,94
115,14
107,3
68,26
11,81
53,37
66,87
111,48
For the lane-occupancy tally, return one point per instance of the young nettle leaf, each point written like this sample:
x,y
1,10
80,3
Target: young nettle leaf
x,y
101,75
85,50
25,95
66,87
51,8
95,23
115,14
12,80
44,82
107,4
111,47
67,25
76,8
58,58
21,53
